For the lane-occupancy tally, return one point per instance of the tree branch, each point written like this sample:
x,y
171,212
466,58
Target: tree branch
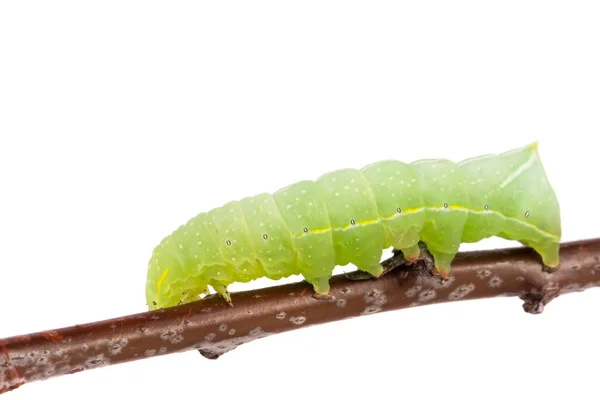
x,y
213,327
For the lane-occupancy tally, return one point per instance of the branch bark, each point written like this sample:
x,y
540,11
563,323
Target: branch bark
x,y
213,327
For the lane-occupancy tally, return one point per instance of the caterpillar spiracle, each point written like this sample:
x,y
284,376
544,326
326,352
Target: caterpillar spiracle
x,y
351,216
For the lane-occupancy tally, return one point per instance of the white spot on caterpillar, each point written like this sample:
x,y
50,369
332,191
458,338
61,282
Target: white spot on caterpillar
x,y
223,327
231,331
337,193
288,206
303,191
310,203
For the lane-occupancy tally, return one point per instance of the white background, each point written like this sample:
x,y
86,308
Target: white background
x,y
119,120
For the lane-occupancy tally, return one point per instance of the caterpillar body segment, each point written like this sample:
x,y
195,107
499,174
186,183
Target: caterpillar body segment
x,y
350,216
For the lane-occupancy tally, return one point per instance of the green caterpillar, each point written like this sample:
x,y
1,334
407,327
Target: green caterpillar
x,y
350,216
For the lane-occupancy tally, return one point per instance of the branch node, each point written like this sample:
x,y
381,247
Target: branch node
x,y
534,303
211,355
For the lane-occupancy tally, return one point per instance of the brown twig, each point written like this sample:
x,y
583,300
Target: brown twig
x,y
214,328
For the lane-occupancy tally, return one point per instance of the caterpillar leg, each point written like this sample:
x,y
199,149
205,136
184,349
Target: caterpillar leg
x,y
370,272
549,252
320,286
189,296
411,254
442,262
222,290
375,270
419,252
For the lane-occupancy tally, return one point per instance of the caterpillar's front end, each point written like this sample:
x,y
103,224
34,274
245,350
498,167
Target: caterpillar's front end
x,y
167,285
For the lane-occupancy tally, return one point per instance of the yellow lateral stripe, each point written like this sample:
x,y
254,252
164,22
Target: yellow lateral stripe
x,y
320,230
161,279
367,222
407,211
450,207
